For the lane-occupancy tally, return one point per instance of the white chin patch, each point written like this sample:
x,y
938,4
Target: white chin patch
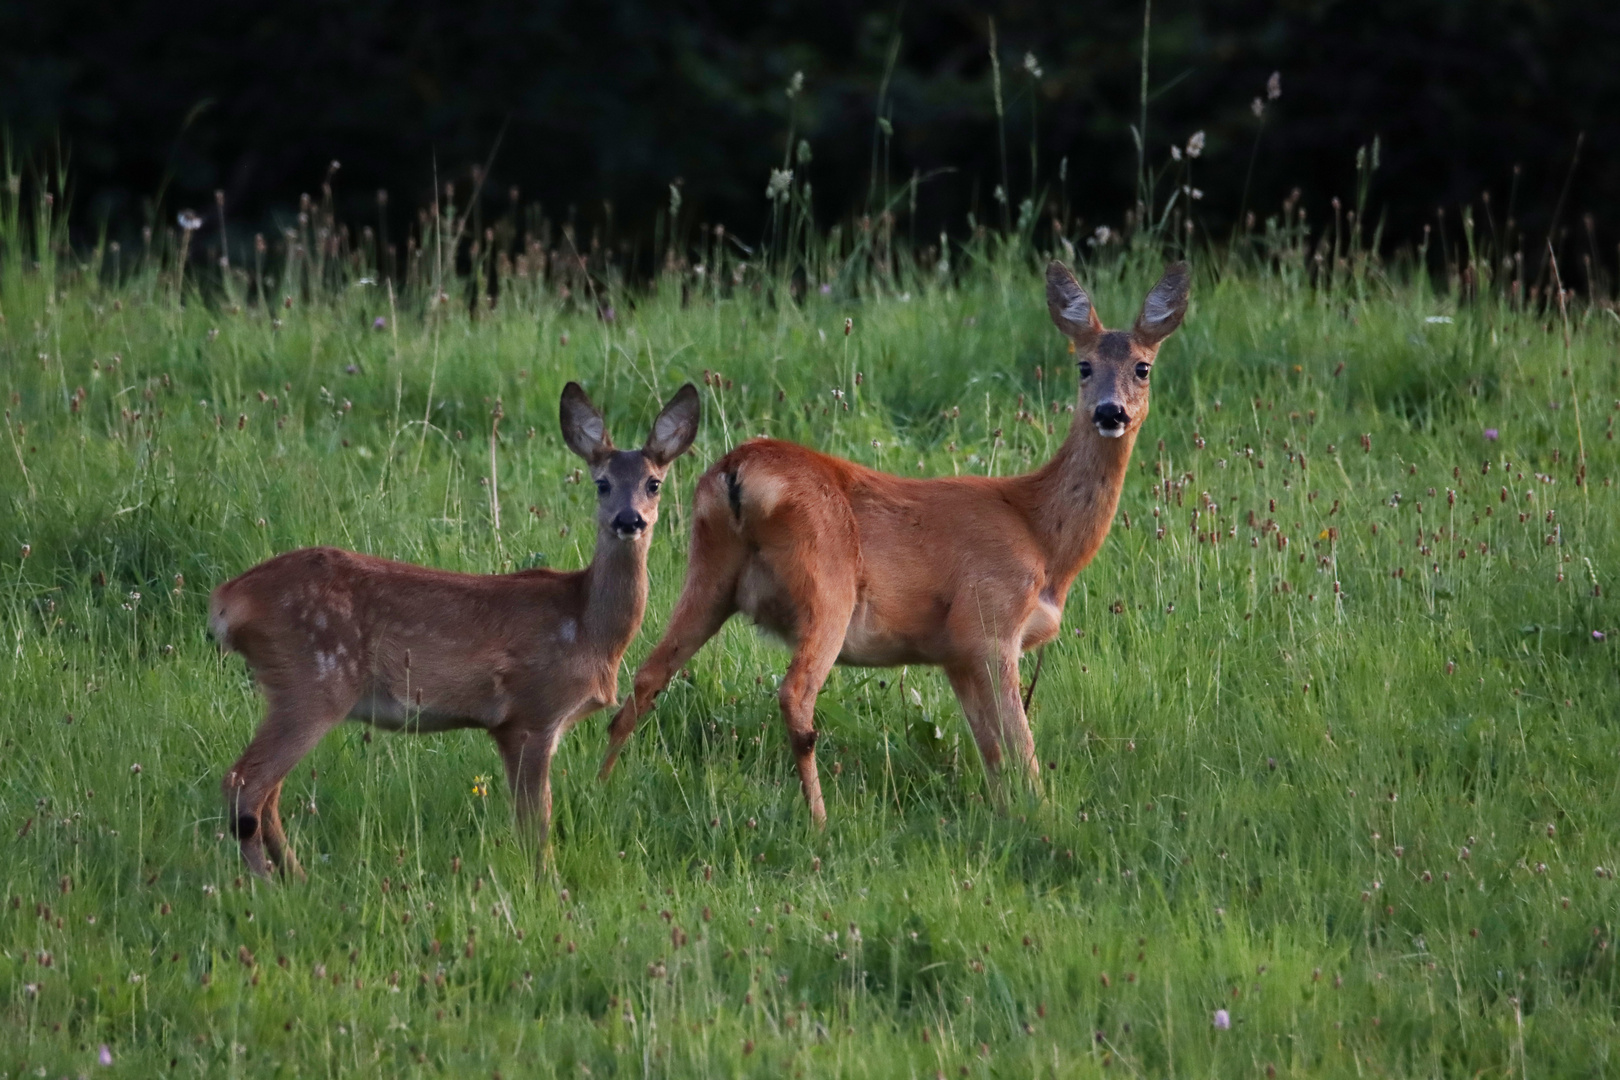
x,y
1110,432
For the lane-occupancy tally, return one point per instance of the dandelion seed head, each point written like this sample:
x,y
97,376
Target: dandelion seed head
x,y
777,188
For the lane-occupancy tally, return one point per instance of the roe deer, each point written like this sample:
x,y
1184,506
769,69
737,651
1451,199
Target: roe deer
x,y
859,567
331,634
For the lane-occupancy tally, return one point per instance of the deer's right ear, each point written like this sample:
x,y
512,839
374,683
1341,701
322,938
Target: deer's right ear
x,y
1071,308
582,426
676,426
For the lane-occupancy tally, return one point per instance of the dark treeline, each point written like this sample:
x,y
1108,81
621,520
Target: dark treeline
x,y
600,106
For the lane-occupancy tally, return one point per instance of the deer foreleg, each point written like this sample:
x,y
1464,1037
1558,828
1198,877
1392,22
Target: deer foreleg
x,y
527,752
988,691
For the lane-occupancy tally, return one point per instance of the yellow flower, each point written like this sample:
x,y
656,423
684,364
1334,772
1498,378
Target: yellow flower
x,y
480,786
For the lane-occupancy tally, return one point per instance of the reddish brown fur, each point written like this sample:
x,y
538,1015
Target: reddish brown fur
x,y
860,567
332,634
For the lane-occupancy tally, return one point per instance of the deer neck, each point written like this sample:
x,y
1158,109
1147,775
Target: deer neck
x,y
1076,494
616,591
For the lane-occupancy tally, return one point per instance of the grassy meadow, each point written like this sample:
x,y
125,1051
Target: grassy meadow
x,y
1330,730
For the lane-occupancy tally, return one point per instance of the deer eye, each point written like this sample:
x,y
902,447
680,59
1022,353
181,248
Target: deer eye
x,y
1085,369
653,485
603,487
1143,369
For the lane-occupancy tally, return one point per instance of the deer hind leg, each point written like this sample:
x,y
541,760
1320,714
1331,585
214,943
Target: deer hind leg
x,y
275,837
292,725
988,691
820,639
708,598
527,752
822,598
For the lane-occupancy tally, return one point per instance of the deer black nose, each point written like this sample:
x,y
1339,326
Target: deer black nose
x,y
628,523
1110,415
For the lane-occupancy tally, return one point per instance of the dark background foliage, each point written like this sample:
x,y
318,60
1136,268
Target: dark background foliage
x,y
603,104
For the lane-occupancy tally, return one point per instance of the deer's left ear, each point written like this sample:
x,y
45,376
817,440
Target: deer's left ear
x,y
1165,306
676,427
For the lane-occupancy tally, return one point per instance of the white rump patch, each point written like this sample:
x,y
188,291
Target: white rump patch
x,y
761,491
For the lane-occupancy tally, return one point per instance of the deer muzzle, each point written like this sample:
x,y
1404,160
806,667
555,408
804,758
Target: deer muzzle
x,y
1111,420
627,525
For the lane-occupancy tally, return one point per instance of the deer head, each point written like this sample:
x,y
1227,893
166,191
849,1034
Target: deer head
x,y
1116,365
628,481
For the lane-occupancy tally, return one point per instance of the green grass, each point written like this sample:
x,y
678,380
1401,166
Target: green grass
x,y
1355,790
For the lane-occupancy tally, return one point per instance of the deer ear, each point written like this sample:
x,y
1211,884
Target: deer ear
x,y
676,427
582,426
1165,306
1071,308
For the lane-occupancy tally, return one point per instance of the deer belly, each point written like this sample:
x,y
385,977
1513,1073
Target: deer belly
x,y
383,710
867,645
1043,624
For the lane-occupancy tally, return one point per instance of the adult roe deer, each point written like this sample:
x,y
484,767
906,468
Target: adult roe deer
x,y
333,635
859,567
